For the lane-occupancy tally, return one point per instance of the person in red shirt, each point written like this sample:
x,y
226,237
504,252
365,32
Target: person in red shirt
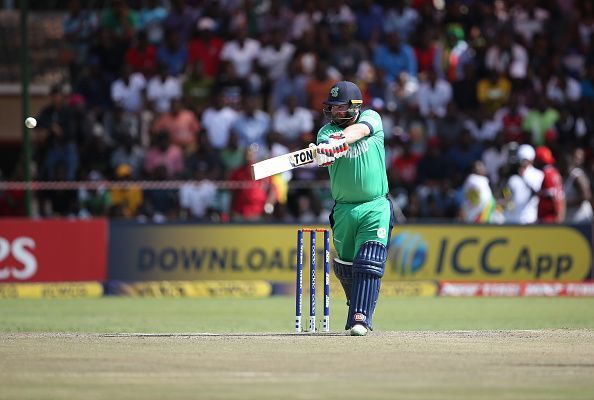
x,y
512,118
551,197
205,47
248,203
425,51
403,171
512,127
142,57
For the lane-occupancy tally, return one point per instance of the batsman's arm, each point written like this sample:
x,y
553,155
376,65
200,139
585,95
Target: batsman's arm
x,y
340,141
356,132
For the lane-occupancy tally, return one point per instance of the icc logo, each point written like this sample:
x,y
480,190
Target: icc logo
x,y
408,253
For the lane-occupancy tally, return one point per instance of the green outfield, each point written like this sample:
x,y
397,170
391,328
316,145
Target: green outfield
x,y
179,348
276,314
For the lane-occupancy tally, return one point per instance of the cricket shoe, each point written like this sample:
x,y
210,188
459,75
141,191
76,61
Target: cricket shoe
x,y
359,330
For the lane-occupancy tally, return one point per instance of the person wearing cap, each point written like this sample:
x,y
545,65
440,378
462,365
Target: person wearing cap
x,y
551,197
521,190
351,145
125,201
205,47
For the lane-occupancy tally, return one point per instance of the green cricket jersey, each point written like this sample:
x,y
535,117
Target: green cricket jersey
x,y
360,175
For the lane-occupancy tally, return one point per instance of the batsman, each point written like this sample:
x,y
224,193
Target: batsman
x,y
351,146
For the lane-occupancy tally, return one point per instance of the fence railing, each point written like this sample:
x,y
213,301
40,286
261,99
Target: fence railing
x,y
144,184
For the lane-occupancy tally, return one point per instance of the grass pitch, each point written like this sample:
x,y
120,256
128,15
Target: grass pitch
x,y
423,348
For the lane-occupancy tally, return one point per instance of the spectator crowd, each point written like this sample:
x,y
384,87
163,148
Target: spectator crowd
x,y
487,107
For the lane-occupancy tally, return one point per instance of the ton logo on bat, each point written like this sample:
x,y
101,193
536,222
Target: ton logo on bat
x,y
303,158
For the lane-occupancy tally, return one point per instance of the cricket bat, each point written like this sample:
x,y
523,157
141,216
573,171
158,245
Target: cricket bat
x,y
284,162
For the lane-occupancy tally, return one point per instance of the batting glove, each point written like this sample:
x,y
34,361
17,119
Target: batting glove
x,y
339,144
324,154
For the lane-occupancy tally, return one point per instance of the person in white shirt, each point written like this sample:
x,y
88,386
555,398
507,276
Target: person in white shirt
x,y
507,56
306,20
577,191
274,60
252,125
291,121
242,52
128,90
276,56
217,121
482,127
163,88
528,19
433,96
479,204
522,188
198,198
494,157
562,89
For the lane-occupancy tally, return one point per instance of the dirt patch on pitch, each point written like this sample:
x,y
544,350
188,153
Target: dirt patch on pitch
x,y
498,364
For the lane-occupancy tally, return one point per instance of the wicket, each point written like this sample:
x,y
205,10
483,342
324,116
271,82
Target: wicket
x,y
312,280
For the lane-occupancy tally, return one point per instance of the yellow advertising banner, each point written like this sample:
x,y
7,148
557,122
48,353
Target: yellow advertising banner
x,y
194,289
179,252
489,253
256,289
409,289
50,290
